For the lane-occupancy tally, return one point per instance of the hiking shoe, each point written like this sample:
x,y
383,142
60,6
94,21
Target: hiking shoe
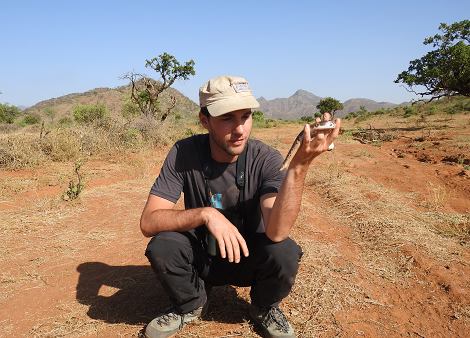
x,y
273,322
171,321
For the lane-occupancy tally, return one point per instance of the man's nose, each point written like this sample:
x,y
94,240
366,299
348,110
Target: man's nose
x,y
239,129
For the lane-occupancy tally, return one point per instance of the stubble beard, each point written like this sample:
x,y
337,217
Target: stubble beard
x,y
225,146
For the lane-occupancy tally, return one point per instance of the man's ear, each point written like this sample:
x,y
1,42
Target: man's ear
x,y
203,120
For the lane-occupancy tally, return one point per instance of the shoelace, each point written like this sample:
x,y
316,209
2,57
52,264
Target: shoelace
x,y
165,318
279,319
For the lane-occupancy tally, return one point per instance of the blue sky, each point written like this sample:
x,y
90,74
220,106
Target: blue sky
x,y
343,49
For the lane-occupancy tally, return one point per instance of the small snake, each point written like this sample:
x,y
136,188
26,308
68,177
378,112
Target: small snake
x,y
298,140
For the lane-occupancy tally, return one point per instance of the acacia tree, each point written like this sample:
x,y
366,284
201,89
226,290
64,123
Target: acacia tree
x,y
444,71
329,105
8,113
145,90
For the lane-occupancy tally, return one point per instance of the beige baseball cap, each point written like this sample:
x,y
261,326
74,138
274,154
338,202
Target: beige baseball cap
x,y
225,94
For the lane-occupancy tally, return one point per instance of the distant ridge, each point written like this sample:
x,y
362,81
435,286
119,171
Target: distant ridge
x,y
303,103
114,99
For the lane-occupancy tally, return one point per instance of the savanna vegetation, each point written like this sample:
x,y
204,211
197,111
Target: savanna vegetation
x,y
384,221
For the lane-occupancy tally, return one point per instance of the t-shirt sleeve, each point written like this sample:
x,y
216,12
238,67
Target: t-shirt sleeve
x,y
170,181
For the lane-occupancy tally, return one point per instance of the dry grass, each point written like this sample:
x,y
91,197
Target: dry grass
x,y
436,198
383,224
28,149
329,281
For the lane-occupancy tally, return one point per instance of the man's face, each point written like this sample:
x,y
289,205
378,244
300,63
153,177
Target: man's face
x,y
229,133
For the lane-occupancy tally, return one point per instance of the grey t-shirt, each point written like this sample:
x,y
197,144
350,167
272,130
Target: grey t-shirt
x,y
182,172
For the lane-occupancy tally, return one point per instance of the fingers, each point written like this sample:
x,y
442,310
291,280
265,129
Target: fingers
x,y
230,249
231,246
321,140
231,243
334,134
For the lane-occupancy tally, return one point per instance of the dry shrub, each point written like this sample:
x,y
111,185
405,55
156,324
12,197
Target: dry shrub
x,y
61,145
108,136
451,225
375,135
436,198
20,151
157,133
8,128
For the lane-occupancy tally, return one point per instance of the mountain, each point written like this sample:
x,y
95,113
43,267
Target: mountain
x,y
353,105
113,98
303,103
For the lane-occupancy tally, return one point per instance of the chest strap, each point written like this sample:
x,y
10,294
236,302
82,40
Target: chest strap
x,y
240,178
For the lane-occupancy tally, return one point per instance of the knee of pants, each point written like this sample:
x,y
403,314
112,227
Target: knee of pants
x,y
283,256
168,248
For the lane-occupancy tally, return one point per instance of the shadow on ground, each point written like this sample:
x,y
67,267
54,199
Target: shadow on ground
x,y
132,295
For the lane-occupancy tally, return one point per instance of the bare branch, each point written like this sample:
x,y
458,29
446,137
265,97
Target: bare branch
x,y
173,104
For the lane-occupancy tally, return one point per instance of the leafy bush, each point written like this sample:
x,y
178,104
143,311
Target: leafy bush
x,y
89,113
364,117
258,119
65,121
350,116
130,110
258,116
307,119
459,107
432,110
409,111
28,119
382,111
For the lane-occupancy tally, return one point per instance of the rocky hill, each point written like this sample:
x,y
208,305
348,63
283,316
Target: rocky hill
x,y
303,103
113,98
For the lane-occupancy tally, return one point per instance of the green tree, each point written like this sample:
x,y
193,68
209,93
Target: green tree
x,y
8,113
89,113
50,113
329,105
362,111
444,71
145,90
258,116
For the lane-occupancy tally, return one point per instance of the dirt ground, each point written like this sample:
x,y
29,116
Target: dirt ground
x,y
77,269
